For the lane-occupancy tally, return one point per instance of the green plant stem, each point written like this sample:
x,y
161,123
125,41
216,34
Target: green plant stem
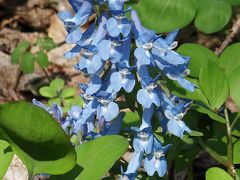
x,y
46,74
234,122
212,153
231,168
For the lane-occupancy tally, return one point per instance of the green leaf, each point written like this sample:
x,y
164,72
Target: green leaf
x,y
218,146
54,100
68,92
6,156
217,173
46,44
196,133
186,159
212,15
42,59
199,55
131,119
177,90
209,112
214,84
27,63
36,138
96,157
47,92
234,81
57,84
236,152
234,2
230,58
19,51
157,15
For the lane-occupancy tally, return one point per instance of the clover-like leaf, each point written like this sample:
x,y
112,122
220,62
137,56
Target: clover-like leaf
x,y
199,55
230,58
214,84
42,59
165,15
46,43
27,63
19,51
57,84
48,92
36,138
217,173
96,157
212,15
68,92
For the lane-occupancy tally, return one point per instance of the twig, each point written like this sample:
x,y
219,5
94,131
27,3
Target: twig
x,y
229,38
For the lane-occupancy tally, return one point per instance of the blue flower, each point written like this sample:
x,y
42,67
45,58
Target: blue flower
x,y
133,166
106,108
174,113
91,61
118,24
143,140
123,78
73,23
150,93
74,115
156,161
55,110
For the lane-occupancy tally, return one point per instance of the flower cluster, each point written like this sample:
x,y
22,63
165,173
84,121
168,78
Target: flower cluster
x,y
105,46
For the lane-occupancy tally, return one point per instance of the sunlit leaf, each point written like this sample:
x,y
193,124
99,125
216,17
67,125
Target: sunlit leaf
x,y
36,138
212,15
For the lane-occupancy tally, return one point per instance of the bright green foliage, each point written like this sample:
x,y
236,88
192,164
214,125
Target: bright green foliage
x,y
212,15
63,96
27,63
96,157
45,43
199,55
22,54
21,48
217,173
230,58
186,158
42,59
165,15
6,156
36,138
234,81
214,84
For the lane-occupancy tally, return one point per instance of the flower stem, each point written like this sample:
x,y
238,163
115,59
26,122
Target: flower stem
x,y
231,168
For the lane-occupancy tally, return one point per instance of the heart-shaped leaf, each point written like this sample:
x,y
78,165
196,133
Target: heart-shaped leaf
x,y
177,90
42,59
96,157
19,51
212,15
165,15
217,173
68,92
57,84
27,63
199,55
48,92
234,81
6,156
230,58
36,138
214,84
